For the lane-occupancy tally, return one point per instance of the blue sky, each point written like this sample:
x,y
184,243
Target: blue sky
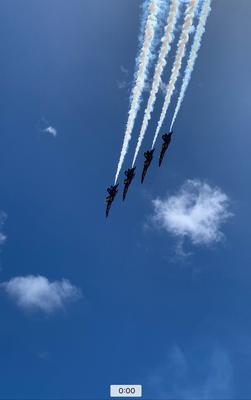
x,y
120,303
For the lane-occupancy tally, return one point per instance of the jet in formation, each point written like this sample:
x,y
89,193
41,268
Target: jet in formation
x,y
148,159
166,142
112,191
130,174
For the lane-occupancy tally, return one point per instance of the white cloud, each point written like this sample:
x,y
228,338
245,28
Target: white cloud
x,y
52,131
197,211
38,293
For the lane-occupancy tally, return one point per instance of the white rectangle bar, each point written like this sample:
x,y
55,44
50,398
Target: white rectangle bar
x,y
125,391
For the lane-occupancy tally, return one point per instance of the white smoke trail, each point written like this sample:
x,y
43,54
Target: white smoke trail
x,y
165,48
144,60
189,15
205,11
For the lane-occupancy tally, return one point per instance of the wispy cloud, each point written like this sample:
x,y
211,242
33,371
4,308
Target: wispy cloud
x,y
197,211
199,375
44,355
162,87
37,293
124,70
51,130
3,218
124,83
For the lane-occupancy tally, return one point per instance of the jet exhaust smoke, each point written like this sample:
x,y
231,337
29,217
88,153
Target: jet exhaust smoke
x,y
205,11
165,48
141,75
184,37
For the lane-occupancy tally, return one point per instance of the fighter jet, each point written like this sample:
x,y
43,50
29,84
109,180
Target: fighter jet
x,y
148,159
167,140
130,174
112,191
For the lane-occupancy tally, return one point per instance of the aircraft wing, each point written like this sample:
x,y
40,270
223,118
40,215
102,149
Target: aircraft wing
x,y
145,168
125,190
162,153
109,203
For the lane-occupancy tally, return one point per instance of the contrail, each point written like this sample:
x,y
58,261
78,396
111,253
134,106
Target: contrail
x,y
165,48
205,11
144,61
189,15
